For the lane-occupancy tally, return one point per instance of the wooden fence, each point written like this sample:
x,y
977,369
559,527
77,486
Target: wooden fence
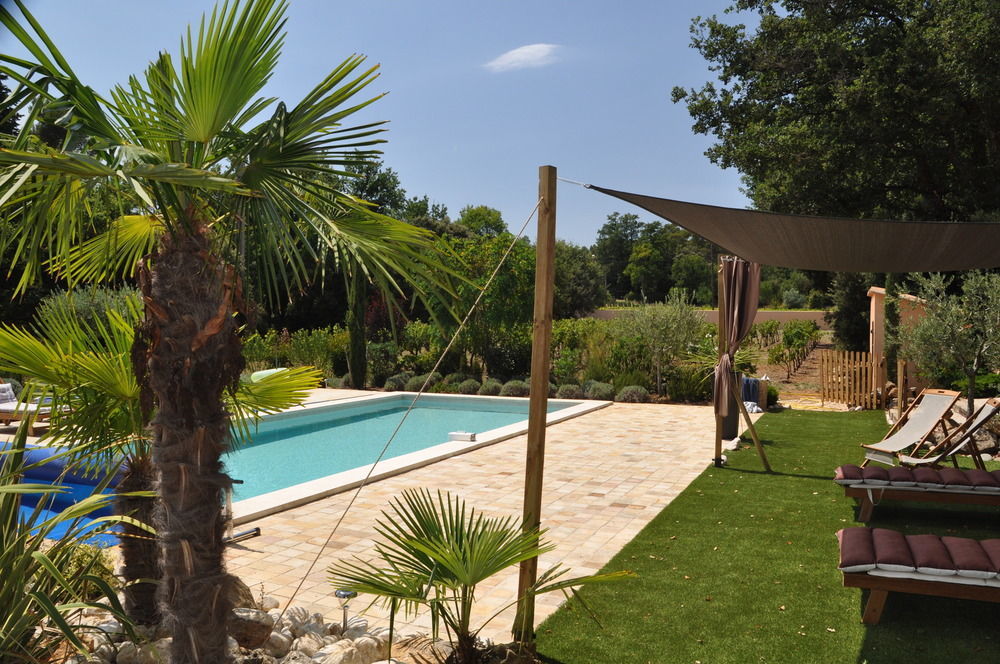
x,y
852,377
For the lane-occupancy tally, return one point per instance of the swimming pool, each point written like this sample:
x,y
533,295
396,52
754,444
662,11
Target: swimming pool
x,y
320,449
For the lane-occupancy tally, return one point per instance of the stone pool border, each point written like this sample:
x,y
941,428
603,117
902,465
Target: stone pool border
x,y
273,502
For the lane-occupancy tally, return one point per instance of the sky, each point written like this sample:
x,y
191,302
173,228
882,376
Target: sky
x,y
480,94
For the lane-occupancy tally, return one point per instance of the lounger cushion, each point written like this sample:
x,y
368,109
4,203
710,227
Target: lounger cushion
x,y
992,549
970,559
928,478
7,392
899,476
891,551
931,555
849,473
857,553
982,480
955,478
875,475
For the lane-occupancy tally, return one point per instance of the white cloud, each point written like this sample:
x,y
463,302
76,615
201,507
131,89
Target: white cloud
x,y
532,55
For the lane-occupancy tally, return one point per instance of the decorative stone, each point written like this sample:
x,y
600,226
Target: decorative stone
x,y
105,652
130,653
355,628
370,649
240,594
331,648
301,621
255,657
308,643
250,627
297,657
267,603
348,655
278,644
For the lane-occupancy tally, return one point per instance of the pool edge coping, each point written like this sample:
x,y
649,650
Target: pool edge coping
x,y
280,500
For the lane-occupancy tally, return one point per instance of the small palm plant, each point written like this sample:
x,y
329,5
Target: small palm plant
x,y
39,595
435,554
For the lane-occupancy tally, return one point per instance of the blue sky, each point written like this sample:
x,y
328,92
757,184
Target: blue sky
x,y
480,93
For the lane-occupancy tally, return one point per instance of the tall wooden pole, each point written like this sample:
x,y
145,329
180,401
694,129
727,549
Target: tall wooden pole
x,y
545,247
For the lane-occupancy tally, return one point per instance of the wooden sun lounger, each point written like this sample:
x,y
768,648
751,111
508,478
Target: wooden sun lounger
x,y
881,586
870,486
884,561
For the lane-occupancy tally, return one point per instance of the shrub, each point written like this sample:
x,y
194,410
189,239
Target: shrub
x,y
820,300
340,343
382,360
628,378
569,391
456,378
395,383
419,363
417,382
633,394
89,304
792,299
311,348
772,395
470,386
514,388
491,388
600,392
689,384
509,350
87,559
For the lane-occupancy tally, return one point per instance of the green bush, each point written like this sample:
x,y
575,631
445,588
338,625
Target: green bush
x,y
627,378
569,391
470,386
633,394
491,388
820,300
792,299
772,395
417,382
509,350
515,388
311,348
987,385
689,384
456,378
600,391
382,361
395,383
88,304
257,353
87,559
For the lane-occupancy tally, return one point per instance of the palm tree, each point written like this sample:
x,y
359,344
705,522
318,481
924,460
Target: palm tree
x,y
85,369
222,193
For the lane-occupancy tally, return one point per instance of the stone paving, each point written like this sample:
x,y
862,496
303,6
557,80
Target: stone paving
x,y
607,474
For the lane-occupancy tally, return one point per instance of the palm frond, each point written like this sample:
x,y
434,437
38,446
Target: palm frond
x,y
273,393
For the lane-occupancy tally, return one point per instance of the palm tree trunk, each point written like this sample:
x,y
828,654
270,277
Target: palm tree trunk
x,y
139,551
193,355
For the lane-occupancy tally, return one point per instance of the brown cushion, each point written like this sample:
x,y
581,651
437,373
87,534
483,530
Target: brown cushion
x,y
970,558
875,475
928,477
930,555
899,476
954,477
857,553
992,549
892,553
847,474
983,480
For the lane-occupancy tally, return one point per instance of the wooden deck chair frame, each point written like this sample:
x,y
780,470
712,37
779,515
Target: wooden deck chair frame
x,y
957,440
872,453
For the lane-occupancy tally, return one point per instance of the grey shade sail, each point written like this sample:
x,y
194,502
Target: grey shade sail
x,y
832,243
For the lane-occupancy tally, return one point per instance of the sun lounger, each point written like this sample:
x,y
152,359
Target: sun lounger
x,y
885,561
927,412
872,485
959,441
13,410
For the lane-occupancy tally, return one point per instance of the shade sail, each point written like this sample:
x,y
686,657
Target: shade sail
x,y
832,243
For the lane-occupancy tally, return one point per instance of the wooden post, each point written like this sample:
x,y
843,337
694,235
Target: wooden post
x,y
524,622
902,389
717,460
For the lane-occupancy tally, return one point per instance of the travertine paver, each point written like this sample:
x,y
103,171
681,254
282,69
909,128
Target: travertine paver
x,y
607,474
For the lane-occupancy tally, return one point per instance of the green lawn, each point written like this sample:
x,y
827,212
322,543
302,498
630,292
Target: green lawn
x,y
742,567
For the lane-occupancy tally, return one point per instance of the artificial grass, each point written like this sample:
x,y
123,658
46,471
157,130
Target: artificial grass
x,y
742,567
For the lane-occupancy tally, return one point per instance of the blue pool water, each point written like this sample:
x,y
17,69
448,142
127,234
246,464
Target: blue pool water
x,y
291,448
